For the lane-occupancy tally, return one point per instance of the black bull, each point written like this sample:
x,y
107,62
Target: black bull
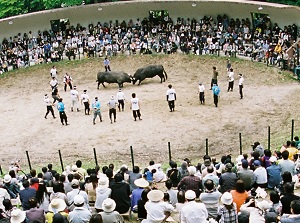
x,y
149,72
118,77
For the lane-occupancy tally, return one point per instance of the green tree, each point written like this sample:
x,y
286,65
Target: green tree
x,y
11,8
286,2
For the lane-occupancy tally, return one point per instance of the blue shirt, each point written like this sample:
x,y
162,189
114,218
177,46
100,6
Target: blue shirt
x,y
274,176
96,105
25,195
216,90
60,107
136,196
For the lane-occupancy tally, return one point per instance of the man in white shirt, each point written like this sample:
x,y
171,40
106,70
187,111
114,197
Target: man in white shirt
x,y
121,99
230,79
49,105
193,212
260,175
53,72
53,83
171,97
85,99
135,107
201,90
74,99
67,81
112,104
241,85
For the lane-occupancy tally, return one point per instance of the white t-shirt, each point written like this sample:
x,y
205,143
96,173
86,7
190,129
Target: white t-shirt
x,y
201,88
53,82
84,97
120,96
53,72
47,101
231,76
135,104
74,94
171,93
241,81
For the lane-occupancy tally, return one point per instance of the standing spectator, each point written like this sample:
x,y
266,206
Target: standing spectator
x,y
191,182
97,112
106,63
53,72
120,193
135,107
67,81
35,213
85,99
201,90
80,214
286,164
214,79
216,94
49,105
74,99
61,110
112,104
273,172
192,211
227,212
241,85
171,97
228,179
230,80
260,175
121,99
26,194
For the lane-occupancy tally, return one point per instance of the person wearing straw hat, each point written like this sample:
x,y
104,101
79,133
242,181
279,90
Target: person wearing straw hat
x,y
157,210
12,188
80,214
102,192
136,194
56,206
109,215
192,211
17,216
227,212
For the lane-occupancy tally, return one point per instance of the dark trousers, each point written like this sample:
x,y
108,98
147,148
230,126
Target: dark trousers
x,y
171,105
112,111
230,85
86,108
136,113
70,84
49,109
216,100
213,81
241,91
201,97
63,117
55,97
107,68
121,104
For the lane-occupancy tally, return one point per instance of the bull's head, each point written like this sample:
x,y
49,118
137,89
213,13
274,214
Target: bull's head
x,y
132,79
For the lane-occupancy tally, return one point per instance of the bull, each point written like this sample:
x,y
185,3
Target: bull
x,y
150,72
118,77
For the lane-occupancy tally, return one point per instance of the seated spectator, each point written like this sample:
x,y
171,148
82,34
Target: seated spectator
x,y
183,171
102,192
18,216
159,175
26,194
3,195
56,206
141,184
191,182
246,175
35,213
286,178
227,211
287,198
142,213
133,175
59,218
276,203
76,191
14,179
12,188
81,170
258,148
286,164
239,195
172,193
90,188
58,193
172,174
273,173
211,175
80,213
295,213
260,175
227,179
96,218
109,215
120,193
42,197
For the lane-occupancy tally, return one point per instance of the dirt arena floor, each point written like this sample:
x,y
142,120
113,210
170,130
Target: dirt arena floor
x,y
270,99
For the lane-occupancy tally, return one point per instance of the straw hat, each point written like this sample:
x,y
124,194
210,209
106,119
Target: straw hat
x,y
7,178
108,205
226,198
57,205
103,182
141,182
17,216
155,195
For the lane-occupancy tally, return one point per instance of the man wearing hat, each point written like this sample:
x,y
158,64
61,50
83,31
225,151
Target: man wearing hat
x,y
17,216
12,188
74,99
112,104
273,172
201,90
109,215
136,194
97,112
85,99
260,175
80,213
157,210
192,211
227,179
191,182
56,206
121,99
76,191
49,105
102,192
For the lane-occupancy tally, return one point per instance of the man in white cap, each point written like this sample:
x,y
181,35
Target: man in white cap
x,y
49,105
74,99
102,192
109,214
274,173
80,213
157,210
3,194
193,212
76,191
85,99
121,99
112,104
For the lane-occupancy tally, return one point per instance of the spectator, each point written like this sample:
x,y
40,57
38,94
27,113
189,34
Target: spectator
x,y
26,194
136,195
287,198
172,174
142,213
110,215
260,175
227,211
12,188
80,214
76,191
35,213
56,206
295,213
81,170
286,164
120,193
172,193
90,188
134,175
273,172
18,216
276,203
42,197
191,182
227,179
239,195
246,175
102,192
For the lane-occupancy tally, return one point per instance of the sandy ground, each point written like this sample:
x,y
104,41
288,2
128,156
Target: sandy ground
x,y
270,99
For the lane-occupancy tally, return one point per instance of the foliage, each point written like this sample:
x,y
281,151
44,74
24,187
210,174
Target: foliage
x,y
11,8
286,2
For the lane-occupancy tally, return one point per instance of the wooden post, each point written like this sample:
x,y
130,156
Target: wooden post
x,y
132,159
292,133
95,157
269,137
206,146
170,154
61,161
241,147
29,164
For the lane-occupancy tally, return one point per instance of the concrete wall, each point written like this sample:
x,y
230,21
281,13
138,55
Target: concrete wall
x,y
282,14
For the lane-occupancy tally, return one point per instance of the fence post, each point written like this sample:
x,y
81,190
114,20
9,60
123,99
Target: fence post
x,y
29,164
241,147
269,137
95,157
61,161
170,154
292,133
1,172
206,146
132,159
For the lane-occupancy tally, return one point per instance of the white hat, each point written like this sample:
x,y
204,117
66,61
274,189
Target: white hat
x,y
7,178
192,170
227,198
78,200
74,168
263,205
261,193
155,195
57,205
108,205
190,195
112,97
141,182
103,182
17,216
239,159
273,159
75,182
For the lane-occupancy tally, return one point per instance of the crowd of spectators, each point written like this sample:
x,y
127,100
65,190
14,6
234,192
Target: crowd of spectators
x,y
259,188
261,39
